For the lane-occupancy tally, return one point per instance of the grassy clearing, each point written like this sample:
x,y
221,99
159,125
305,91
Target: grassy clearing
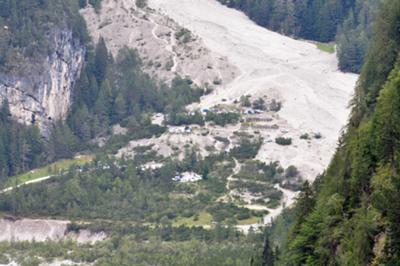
x,y
204,218
47,170
326,47
251,220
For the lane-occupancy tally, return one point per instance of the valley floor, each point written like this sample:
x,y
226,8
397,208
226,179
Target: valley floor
x,y
240,59
315,95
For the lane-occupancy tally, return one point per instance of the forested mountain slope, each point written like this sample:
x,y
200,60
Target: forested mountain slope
x,y
346,21
42,52
351,215
53,78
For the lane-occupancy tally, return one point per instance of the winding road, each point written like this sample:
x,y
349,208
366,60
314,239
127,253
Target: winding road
x,y
37,180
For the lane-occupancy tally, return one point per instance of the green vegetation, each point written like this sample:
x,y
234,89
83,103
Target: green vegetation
x,y
183,118
222,119
117,91
355,34
51,169
201,219
142,196
143,246
21,147
259,104
283,141
350,215
259,171
305,136
141,3
247,148
326,47
245,101
143,211
259,179
24,25
196,118
183,35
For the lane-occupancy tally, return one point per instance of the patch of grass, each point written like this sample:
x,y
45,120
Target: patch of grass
x,y
251,220
50,169
202,218
326,47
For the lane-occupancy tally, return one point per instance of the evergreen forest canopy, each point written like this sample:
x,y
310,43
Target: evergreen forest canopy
x,y
25,25
348,22
351,214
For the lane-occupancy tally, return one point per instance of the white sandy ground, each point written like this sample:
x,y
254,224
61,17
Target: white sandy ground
x,y
314,93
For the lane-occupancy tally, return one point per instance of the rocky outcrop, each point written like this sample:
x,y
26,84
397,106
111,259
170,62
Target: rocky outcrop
x,y
40,230
42,92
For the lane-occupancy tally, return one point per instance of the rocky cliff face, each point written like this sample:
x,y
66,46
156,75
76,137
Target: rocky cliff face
x,y
42,92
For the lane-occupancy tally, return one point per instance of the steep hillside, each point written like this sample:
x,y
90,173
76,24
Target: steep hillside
x,y
352,215
166,48
42,53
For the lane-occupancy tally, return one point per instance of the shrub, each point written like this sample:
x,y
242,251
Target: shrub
x,y
183,35
141,3
259,104
217,81
291,171
317,135
247,149
275,106
245,101
283,141
305,136
223,119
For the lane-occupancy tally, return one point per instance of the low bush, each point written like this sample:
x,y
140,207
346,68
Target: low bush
x,y
283,141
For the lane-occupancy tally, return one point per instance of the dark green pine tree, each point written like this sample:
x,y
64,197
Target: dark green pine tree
x,y
268,253
100,61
